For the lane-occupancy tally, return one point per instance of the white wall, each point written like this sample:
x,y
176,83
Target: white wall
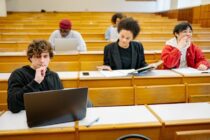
x,y
3,10
174,4
203,2
163,5
188,3
81,5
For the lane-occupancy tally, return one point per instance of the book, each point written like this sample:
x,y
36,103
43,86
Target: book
x,y
148,67
120,73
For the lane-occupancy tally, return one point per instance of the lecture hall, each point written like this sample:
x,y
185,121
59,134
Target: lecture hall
x,y
105,69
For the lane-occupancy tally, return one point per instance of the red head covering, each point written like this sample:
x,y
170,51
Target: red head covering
x,y
65,24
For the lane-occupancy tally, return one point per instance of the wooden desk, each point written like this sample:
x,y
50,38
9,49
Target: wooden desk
x,y
61,61
198,92
181,117
191,75
151,86
14,127
158,77
96,79
69,79
117,121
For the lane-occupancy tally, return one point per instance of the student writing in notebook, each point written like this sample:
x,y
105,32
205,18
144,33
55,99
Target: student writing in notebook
x,y
111,33
34,77
124,53
65,31
180,51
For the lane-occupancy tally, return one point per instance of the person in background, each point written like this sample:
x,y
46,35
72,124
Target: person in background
x,y
65,31
111,33
124,53
180,51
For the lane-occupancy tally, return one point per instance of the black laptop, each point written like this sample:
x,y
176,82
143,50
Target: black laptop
x,y
55,106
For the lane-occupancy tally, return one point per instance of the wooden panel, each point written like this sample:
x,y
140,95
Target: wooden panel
x,y
160,94
3,100
199,98
10,67
3,84
64,66
112,82
146,81
90,65
111,96
199,89
199,14
169,131
70,83
193,135
113,133
39,134
92,56
54,66
197,79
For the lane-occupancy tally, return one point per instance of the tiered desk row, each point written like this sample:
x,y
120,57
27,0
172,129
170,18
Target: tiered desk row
x,y
158,122
18,29
155,87
98,45
82,61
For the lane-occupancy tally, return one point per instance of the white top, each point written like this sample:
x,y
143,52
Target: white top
x,y
173,42
180,112
18,121
118,115
72,34
111,34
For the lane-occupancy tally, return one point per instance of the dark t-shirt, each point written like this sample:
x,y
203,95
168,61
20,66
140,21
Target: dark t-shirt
x,y
126,57
22,81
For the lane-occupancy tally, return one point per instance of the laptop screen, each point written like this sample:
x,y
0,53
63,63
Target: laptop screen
x,y
66,44
55,106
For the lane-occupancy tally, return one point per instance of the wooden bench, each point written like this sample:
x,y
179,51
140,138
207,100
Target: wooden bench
x,y
198,92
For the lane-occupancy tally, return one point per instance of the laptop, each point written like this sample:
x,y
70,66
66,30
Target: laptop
x,y
55,106
66,44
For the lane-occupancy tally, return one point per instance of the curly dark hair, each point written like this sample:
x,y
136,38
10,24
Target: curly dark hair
x,y
129,24
181,27
37,47
115,16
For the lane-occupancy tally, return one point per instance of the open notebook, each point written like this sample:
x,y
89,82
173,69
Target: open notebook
x,y
189,70
119,73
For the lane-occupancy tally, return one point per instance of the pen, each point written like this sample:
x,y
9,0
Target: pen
x,y
205,72
91,123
